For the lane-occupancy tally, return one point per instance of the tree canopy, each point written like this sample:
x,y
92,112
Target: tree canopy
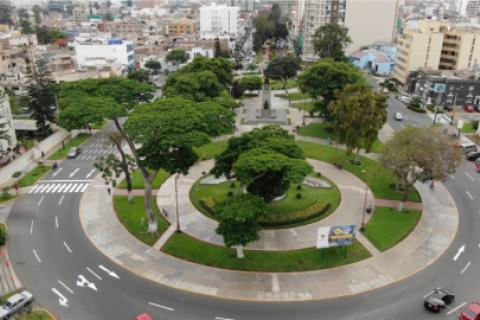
x,y
177,56
358,115
251,83
221,68
282,68
323,79
420,154
238,219
266,159
41,101
330,41
197,86
153,65
138,75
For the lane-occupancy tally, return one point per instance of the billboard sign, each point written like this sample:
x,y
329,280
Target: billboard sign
x,y
335,236
439,87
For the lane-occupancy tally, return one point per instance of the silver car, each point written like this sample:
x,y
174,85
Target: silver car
x,y
15,304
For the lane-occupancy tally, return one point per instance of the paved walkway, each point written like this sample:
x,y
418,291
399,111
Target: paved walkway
x,y
435,231
8,279
196,224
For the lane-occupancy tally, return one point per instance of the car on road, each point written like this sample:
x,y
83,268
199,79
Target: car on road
x,y
404,99
144,316
472,312
438,299
477,165
469,108
73,153
473,155
15,304
398,116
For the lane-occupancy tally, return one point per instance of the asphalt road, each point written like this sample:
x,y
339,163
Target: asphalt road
x,y
52,258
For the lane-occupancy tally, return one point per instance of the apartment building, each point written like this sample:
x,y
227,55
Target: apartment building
x,y
126,29
219,20
8,139
181,26
436,45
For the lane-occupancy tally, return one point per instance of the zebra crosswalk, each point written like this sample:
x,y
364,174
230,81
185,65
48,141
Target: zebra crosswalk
x,y
93,152
59,187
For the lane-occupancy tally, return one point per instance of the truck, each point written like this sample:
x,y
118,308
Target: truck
x,y
472,312
15,304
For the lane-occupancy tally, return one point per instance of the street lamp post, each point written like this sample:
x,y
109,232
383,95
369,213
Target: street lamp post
x,y
176,202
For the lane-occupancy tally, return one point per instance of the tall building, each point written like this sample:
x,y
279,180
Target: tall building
x,y
244,5
436,45
181,26
219,20
8,139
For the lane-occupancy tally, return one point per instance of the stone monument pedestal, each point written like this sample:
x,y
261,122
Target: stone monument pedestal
x,y
266,114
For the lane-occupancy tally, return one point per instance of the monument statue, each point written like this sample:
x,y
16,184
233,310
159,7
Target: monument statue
x,y
266,114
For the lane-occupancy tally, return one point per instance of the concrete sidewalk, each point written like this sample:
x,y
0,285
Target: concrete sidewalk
x,y
198,225
432,236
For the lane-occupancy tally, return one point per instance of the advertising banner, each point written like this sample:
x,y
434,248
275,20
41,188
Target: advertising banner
x,y
335,236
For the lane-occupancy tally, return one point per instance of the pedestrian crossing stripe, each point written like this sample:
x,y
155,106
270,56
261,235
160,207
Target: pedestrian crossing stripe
x,y
59,188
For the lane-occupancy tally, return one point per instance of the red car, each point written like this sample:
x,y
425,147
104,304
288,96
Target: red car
x,y
477,165
471,313
144,316
469,108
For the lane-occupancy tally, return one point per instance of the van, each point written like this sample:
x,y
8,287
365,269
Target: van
x,y
468,147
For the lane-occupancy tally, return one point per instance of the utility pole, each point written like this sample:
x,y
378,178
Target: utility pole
x,y
176,202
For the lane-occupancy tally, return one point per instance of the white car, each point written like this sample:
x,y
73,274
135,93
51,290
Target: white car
x,y
15,304
398,116
404,99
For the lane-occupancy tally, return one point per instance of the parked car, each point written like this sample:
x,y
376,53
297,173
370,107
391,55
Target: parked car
x,y
469,108
438,299
404,99
73,153
477,165
473,155
471,313
15,304
144,316
398,116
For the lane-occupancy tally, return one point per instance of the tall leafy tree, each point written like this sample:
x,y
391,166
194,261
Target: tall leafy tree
x,y
197,86
177,56
358,115
251,83
238,221
326,77
41,101
330,41
37,14
282,68
26,27
419,154
221,67
138,75
153,65
22,14
266,159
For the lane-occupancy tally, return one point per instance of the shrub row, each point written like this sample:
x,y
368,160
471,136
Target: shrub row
x,y
316,210
416,109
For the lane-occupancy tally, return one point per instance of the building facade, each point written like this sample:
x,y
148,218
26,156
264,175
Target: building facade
x,y
219,20
244,5
436,45
181,26
8,139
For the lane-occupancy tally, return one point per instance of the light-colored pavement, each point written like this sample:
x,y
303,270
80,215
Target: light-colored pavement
x,y
433,235
196,224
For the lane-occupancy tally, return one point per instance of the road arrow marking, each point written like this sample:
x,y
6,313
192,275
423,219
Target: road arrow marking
x,y
93,273
61,298
160,306
459,252
90,173
57,172
82,282
109,272
36,256
74,172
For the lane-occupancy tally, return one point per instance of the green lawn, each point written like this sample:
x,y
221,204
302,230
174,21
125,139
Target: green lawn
x,y
134,218
289,204
31,177
388,226
185,247
307,106
468,128
75,142
325,131
379,179
209,151
36,315
137,180
278,85
259,57
294,96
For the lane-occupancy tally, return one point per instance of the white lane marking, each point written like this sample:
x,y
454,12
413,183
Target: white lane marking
x,y
74,172
40,188
50,187
61,298
66,180
36,256
465,268
90,173
68,187
62,187
35,187
84,187
221,318
57,172
31,227
160,306
82,282
57,186
40,201
61,199
456,308
469,176
93,273
73,187
66,246
452,177
459,252
65,286
109,272
56,222
469,195
80,185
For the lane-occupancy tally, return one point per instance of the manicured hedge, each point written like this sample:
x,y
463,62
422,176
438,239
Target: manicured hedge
x,y
316,210
416,110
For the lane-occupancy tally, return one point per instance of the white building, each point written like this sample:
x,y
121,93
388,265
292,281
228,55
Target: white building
x,y
219,20
99,52
8,139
